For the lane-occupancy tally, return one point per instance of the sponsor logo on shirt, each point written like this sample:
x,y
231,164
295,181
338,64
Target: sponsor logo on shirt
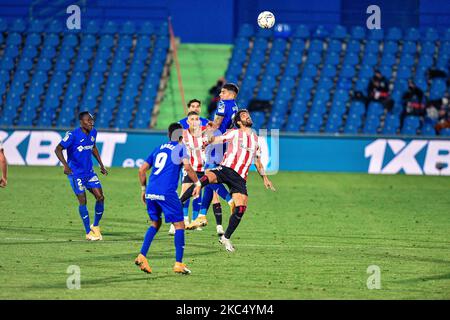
x,y
151,196
81,148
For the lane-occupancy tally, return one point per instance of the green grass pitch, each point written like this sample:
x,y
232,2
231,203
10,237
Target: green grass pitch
x,y
312,239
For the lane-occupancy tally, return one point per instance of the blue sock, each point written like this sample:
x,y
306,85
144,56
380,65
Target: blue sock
x,y
148,238
223,192
179,244
207,198
186,208
84,214
99,208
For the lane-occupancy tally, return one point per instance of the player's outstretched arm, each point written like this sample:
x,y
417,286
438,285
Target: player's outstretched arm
x,y
214,125
143,179
193,176
4,168
99,160
59,153
260,168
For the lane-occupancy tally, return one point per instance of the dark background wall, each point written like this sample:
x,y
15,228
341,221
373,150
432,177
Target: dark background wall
x,y
217,21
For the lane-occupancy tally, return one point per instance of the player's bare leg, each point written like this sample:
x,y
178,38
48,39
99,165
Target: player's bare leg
x,y
99,208
241,205
180,267
141,260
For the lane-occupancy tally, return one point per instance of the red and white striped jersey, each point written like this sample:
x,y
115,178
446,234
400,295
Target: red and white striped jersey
x,y
196,149
241,150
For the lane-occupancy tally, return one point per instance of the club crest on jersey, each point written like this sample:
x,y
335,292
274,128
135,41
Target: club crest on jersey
x,y
92,139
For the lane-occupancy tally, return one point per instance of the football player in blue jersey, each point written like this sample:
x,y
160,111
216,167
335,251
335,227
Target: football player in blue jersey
x,y
160,194
193,105
81,146
223,120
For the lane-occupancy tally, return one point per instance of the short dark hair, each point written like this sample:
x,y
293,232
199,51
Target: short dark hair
x,y
231,87
192,101
173,127
192,113
237,116
82,114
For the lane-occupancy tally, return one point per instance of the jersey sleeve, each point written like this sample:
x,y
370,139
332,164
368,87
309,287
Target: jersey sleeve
x,y
151,158
221,109
67,141
1,146
229,135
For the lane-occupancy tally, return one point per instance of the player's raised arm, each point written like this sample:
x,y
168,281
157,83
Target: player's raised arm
x,y
143,179
260,168
99,160
59,153
4,168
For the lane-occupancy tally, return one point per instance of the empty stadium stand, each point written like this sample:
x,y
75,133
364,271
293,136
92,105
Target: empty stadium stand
x,y
310,77
49,73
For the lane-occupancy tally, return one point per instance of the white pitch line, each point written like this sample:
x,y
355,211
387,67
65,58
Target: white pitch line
x,y
239,244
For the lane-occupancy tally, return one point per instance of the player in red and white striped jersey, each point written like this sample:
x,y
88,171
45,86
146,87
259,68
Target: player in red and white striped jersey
x,y
242,150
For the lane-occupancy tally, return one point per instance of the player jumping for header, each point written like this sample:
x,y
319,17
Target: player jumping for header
x,y
80,146
242,149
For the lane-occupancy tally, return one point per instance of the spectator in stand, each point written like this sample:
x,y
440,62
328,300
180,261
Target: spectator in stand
x,y
214,93
413,101
444,116
378,90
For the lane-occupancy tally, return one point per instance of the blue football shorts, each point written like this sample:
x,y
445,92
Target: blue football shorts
x,y
169,204
79,184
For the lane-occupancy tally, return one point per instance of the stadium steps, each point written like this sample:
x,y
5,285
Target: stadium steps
x,y
201,65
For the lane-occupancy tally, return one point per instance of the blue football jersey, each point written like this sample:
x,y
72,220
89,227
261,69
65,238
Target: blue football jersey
x,y
166,161
79,151
227,109
184,123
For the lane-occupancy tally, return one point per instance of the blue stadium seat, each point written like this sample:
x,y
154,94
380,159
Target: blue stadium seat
x,y
128,28
339,32
409,47
431,34
55,26
110,27
334,46
18,25
412,34
372,46
358,33
354,46
375,34
321,32
146,28
394,34
301,31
